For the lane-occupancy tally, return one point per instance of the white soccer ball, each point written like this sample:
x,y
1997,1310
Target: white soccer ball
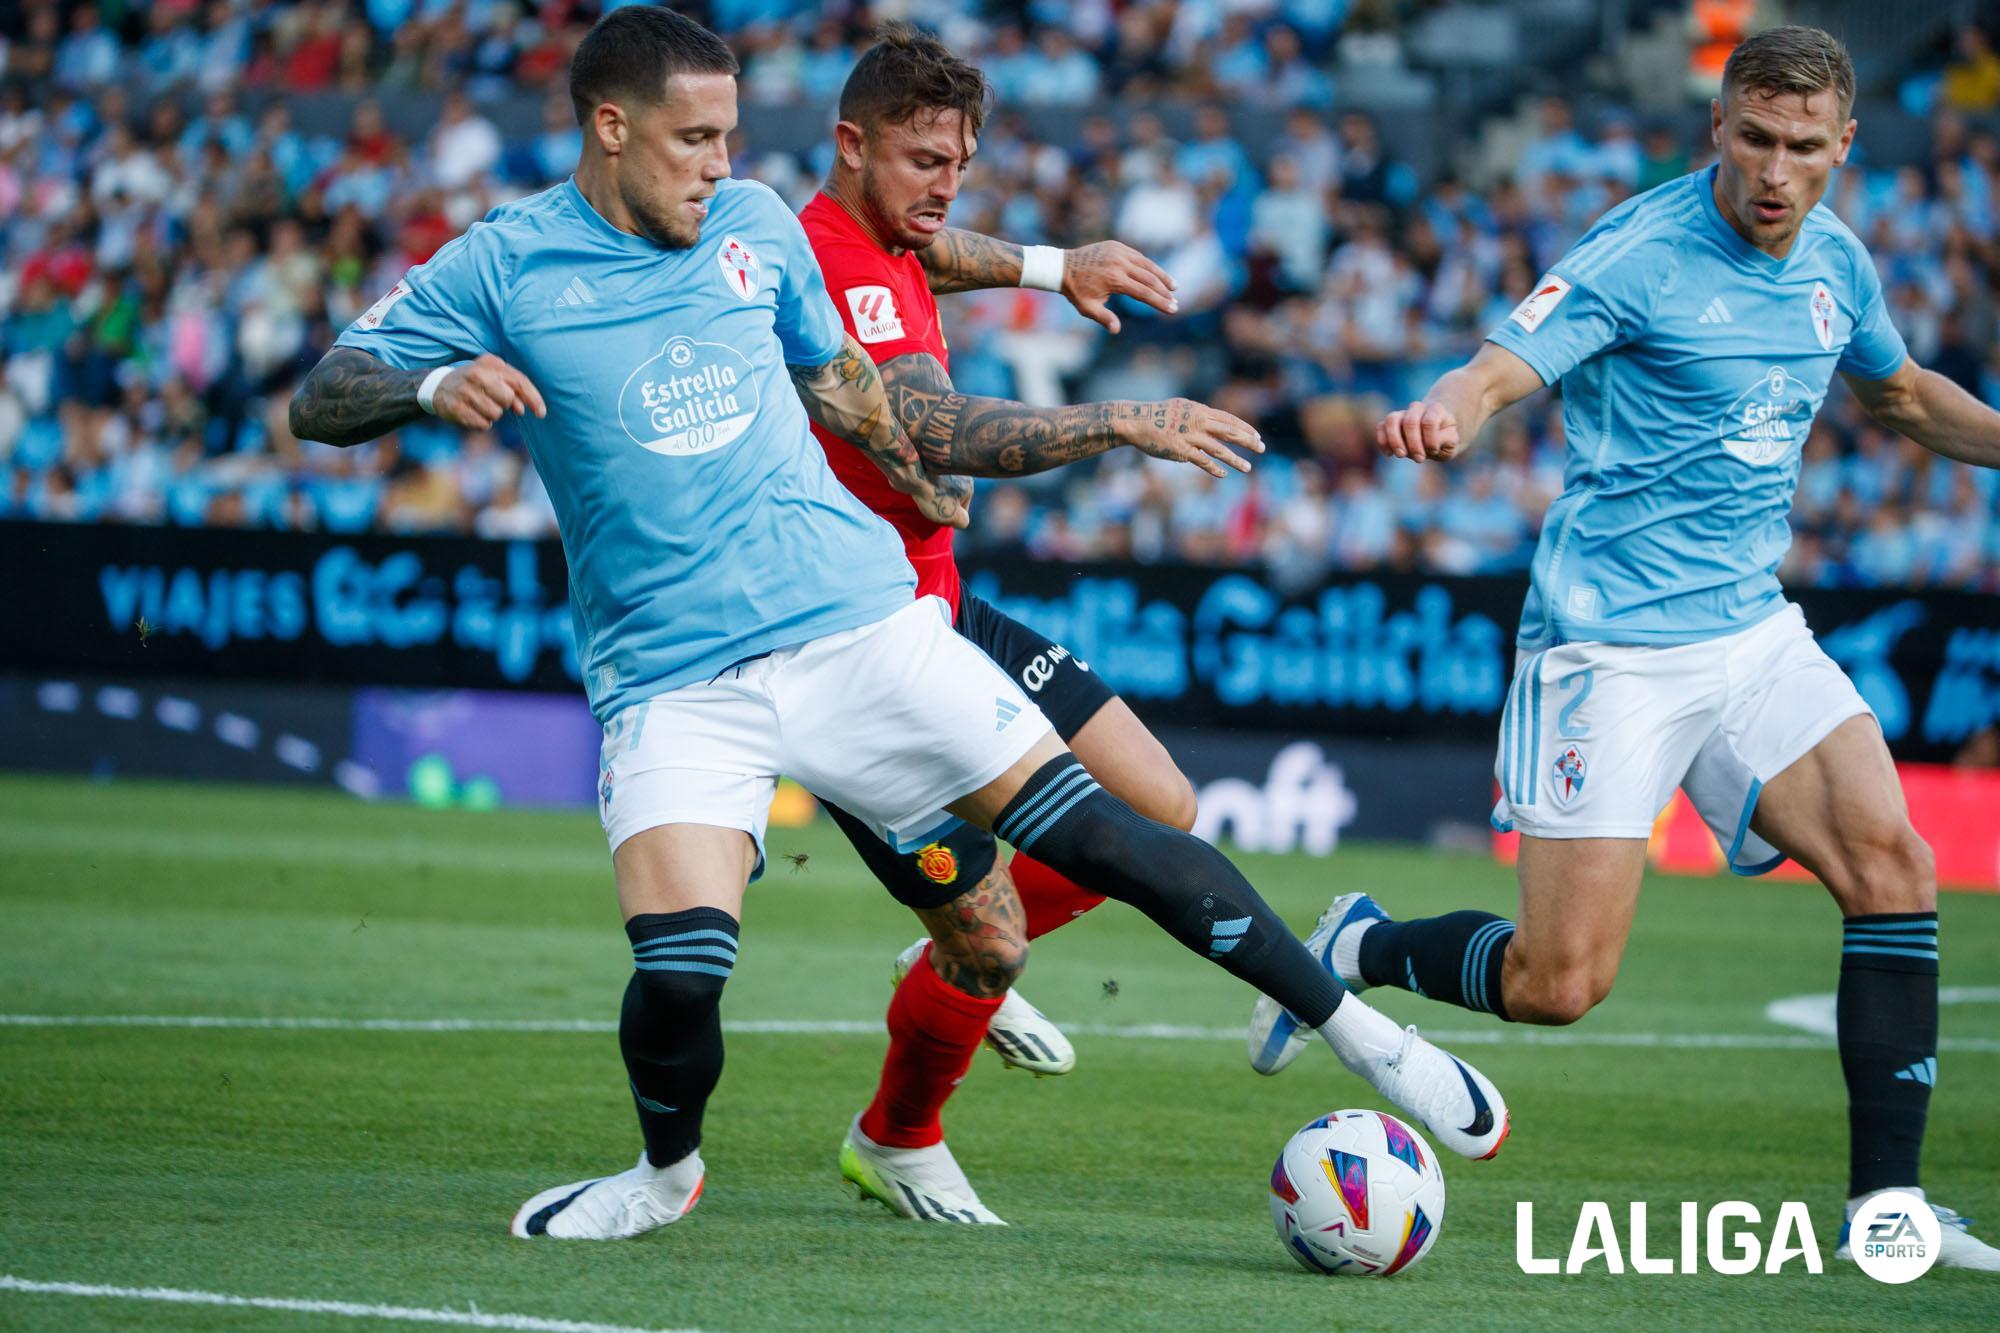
x,y
1357,1193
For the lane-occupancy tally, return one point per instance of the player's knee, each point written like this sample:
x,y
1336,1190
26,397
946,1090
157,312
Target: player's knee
x,y
1180,807
1894,871
681,960
1556,997
1163,795
982,966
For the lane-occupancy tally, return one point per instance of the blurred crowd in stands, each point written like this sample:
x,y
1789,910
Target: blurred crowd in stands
x,y
167,274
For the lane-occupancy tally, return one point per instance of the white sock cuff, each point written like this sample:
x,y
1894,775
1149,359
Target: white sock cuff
x,y
1359,1033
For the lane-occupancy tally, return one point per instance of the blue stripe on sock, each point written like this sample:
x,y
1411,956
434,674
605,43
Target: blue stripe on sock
x,y
1057,788
1465,963
1896,953
686,951
690,936
1064,784
1930,924
1034,834
709,969
1489,1001
1909,941
1472,970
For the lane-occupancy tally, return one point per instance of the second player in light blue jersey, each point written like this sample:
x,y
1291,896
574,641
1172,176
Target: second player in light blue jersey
x,y
1695,331
664,334
1692,365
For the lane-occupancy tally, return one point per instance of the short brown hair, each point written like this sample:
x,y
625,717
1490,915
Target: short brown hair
x,y
1791,59
906,71
630,53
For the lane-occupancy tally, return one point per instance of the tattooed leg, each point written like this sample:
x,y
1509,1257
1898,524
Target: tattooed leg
x,y
979,940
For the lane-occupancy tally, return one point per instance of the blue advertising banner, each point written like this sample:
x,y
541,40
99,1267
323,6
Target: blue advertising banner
x,y
1393,656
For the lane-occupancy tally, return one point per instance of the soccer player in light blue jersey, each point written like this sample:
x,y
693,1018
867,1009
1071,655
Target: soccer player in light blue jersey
x,y
1694,330
663,333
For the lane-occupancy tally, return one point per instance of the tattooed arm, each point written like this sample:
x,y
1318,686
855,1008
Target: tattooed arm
x,y
966,261
350,397
995,437
845,396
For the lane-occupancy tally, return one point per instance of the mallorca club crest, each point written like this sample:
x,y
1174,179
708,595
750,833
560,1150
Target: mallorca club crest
x,y
1569,774
1822,315
938,863
739,267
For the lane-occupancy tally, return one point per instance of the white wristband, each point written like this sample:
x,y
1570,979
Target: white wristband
x,y
1042,268
427,391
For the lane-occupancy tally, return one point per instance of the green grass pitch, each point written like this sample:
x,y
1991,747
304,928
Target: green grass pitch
x,y
380,1167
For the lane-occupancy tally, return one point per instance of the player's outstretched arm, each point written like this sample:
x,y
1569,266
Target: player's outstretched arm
x,y
995,437
1933,411
1458,406
350,397
845,396
966,261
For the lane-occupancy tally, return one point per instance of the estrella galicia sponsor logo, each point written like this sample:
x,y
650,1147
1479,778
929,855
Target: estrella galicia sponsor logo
x,y
1894,1236
1769,419
1728,1238
690,398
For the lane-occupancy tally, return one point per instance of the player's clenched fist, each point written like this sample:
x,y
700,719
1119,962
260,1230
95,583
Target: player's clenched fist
x,y
946,500
1418,432
479,393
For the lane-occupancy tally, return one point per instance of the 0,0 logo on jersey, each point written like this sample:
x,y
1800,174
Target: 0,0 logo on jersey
x,y
1769,419
689,398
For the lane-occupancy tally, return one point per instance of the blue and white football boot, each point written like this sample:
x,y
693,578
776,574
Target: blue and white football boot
x,y
1957,1246
1276,1038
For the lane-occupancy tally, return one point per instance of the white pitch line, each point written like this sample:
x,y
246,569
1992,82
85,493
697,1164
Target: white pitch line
x,y
1493,1036
472,1318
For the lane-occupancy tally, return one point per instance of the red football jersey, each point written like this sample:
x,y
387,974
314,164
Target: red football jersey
x,y
886,304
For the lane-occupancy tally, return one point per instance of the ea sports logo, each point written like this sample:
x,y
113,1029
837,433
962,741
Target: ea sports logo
x,y
1895,1237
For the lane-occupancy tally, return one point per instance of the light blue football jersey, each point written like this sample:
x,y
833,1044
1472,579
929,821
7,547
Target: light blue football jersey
x,y
701,522
1692,365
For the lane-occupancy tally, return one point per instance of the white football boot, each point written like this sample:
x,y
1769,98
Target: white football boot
x,y
1020,1034
921,1183
1276,1038
1455,1102
1957,1246
616,1207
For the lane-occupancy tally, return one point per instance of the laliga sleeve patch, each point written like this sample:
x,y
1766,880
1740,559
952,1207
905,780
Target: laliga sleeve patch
x,y
1538,305
875,316
372,317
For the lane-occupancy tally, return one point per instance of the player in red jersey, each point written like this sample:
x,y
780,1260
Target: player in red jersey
x,y
909,122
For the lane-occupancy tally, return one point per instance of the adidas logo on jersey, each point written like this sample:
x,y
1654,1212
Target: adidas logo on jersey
x,y
1004,711
577,293
1717,313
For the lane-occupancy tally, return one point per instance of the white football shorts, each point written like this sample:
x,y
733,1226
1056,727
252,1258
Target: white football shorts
x,y
1596,736
890,721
